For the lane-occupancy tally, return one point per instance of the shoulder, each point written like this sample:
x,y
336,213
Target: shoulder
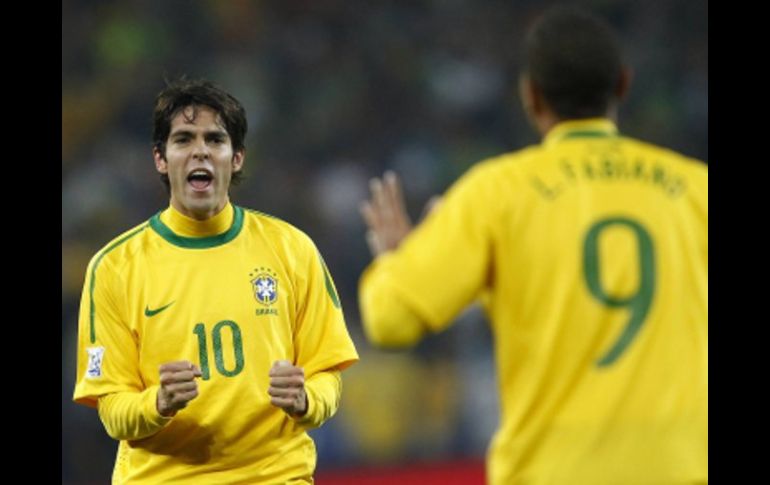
x,y
121,248
695,171
501,169
668,155
275,229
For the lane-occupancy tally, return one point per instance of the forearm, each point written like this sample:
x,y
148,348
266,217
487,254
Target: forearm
x,y
387,320
131,415
323,391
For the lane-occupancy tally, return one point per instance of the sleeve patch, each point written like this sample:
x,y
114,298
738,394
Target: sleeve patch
x,y
95,358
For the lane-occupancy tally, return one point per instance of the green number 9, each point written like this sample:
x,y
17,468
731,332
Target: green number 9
x,y
638,303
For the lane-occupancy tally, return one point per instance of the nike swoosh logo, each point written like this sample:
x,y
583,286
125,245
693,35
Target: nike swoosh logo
x,y
150,313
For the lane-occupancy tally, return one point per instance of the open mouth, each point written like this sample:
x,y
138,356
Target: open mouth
x,y
200,179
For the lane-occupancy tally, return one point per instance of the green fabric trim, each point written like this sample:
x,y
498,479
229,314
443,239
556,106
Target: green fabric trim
x,y
329,285
588,134
198,242
93,276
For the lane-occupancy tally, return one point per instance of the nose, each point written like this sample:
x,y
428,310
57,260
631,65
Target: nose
x,y
200,150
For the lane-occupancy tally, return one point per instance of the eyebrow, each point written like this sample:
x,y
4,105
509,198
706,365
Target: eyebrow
x,y
185,132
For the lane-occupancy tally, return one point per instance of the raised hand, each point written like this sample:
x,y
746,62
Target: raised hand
x,y
385,214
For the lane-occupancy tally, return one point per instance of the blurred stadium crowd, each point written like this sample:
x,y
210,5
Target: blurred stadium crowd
x,y
335,93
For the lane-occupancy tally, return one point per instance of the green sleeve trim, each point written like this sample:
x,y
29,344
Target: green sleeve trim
x,y
329,284
93,276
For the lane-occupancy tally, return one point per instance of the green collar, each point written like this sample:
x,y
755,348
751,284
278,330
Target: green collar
x,y
198,242
588,128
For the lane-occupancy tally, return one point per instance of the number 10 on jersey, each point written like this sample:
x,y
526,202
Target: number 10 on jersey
x,y
216,337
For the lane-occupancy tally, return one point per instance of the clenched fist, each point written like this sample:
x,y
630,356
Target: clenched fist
x,y
287,388
177,386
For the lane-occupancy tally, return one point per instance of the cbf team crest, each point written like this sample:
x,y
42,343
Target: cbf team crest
x,y
264,282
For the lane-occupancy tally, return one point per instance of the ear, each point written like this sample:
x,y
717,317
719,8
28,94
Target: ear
x,y
624,82
238,158
537,110
531,98
161,165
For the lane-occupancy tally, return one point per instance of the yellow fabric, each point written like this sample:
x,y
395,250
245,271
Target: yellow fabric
x,y
152,297
324,390
189,227
572,244
131,415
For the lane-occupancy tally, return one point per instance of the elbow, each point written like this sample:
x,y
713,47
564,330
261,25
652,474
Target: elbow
x,y
112,432
115,435
387,335
391,328
388,321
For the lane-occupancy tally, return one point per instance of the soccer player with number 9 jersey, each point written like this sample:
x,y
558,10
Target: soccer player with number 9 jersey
x,y
590,253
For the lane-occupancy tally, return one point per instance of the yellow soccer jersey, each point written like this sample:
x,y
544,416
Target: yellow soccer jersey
x,y
232,304
592,249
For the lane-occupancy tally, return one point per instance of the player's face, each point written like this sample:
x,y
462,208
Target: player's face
x,y
199,161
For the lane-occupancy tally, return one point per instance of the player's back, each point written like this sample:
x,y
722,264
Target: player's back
x,y
598,286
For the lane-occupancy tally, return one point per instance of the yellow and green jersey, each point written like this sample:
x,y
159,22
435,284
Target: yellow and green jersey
x,y
590,251
255,292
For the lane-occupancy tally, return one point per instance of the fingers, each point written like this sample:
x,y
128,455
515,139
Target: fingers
x,y
385,214
387,205
373,241
167,378
180,371
430,206
372,220
380,200
287,387
285,368
284,376
288,402
181,388
285,392
169,402
395,197
177,386
297,380
291,400
369,214
282,363
179,365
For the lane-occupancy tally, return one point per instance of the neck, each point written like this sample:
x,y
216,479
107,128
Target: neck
x,y
546,121
187,226
198,215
